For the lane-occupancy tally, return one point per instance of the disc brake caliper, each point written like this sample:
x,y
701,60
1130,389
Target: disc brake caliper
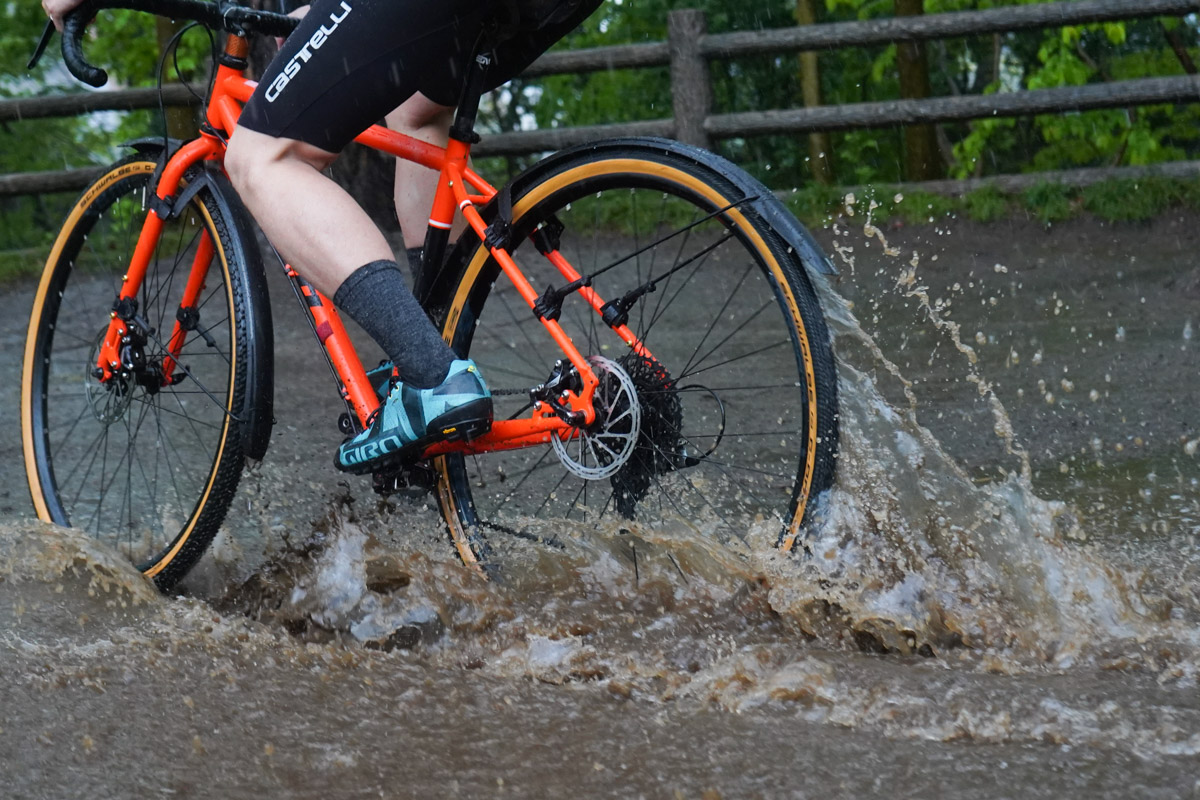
x,y
130,349
555,393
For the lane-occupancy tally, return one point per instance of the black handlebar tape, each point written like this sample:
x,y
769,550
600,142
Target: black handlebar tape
x,y
221,15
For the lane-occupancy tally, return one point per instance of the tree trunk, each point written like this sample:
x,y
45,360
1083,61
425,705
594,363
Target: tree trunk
x,y
1180,48
922,161
820,145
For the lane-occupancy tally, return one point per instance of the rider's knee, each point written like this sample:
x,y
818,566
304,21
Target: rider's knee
x,y
250,157
241,156
419,112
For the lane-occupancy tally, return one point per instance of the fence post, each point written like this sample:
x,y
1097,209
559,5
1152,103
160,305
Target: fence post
x,y
691,92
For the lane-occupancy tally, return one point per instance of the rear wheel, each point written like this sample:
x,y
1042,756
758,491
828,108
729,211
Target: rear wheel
x,y
735,425
146,463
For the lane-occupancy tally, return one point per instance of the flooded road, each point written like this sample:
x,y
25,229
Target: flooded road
x,y
968,621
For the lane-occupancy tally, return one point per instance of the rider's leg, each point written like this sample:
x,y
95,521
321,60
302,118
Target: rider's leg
x,y
330,240
346,65
430,122
317,227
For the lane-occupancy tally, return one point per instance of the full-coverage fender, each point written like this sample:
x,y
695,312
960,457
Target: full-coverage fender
x,y
433,289
255,417
766,204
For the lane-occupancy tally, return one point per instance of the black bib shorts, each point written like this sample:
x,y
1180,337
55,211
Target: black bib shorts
x,y
350,62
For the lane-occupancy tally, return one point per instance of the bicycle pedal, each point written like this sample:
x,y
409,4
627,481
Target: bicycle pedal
x,y
412,479
466,422
467,430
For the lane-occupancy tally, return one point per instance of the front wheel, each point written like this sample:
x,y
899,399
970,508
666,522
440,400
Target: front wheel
x,y
728,425
146,462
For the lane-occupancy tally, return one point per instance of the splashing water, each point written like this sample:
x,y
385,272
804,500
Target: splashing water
x,y
915,555
363,618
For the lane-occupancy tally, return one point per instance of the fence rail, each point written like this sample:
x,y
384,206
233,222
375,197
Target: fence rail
x,y
689,50
834,35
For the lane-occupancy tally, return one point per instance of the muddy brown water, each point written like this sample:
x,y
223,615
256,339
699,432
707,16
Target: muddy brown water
x,y
957,631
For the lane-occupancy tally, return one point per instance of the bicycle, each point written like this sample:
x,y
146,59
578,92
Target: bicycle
x,y
653,385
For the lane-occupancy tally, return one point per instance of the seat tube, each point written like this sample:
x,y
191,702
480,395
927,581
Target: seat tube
x,y
458,151
441,217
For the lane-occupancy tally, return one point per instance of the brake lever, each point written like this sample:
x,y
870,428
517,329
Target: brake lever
x,y
47,35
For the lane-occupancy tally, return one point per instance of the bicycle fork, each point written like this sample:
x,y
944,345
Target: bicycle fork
x,y
121,351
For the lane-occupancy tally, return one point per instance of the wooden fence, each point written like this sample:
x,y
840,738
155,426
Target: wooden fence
x,y
687,53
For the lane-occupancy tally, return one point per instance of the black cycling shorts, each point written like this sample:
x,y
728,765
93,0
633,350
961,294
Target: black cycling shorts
x,y
350,62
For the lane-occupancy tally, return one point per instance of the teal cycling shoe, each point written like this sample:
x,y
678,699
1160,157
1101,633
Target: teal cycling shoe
x,y
411,419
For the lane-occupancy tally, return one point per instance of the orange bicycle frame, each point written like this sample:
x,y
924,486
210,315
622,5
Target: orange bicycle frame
x,y
460,190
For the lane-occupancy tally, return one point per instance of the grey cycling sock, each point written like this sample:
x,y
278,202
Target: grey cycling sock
x,y
376,297
414,255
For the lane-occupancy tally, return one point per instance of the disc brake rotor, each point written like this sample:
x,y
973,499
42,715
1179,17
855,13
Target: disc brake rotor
x,y
600,450
108,399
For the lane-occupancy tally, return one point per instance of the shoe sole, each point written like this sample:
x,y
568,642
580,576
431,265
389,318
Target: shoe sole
x,y
467,422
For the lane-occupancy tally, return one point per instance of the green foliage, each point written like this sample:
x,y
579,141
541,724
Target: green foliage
x,y
1050,202
126,44
1130,200
986,205
1115,201
1188,193
815,205
1069,56
920,207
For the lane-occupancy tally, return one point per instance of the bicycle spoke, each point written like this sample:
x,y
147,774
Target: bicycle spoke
x,y
190,419
683,243
165,441
94,452
716,318
663,307
103,472
523,330
728,337
550,494
120,460
575,499
528,473
75,424
759,351
191,422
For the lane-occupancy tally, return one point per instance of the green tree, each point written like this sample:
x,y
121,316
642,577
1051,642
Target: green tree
x,y
127,44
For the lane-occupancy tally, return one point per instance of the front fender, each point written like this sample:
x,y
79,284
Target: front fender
x,y
257,409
